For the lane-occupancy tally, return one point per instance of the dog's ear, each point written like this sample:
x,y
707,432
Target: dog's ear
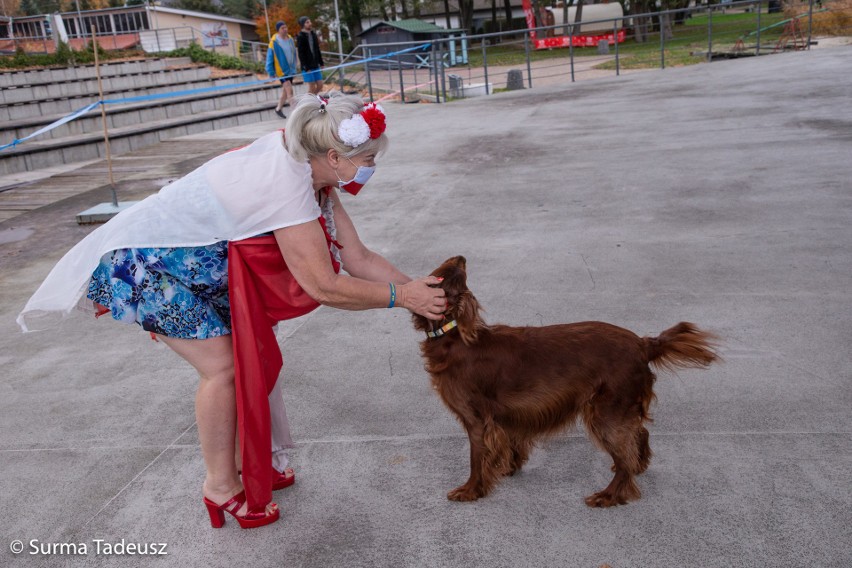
x,y
467,316
420,323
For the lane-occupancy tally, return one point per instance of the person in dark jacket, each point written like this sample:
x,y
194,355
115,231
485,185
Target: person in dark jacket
x,y
310,55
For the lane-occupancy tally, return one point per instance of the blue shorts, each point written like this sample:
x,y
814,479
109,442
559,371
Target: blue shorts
x,y
312,76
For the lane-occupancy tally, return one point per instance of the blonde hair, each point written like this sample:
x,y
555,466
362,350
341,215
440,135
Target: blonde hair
x,y
312,131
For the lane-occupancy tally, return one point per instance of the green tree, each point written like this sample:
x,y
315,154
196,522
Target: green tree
x,y
206,6
466,14
238,8
351,12
30,8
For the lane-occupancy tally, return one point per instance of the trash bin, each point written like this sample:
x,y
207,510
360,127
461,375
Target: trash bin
x,y
515,80
456,86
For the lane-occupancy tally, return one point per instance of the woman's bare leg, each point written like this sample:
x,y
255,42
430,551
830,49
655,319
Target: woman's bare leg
x,y
215,411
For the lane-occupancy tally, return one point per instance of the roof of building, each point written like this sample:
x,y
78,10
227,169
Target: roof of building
x,y
143,8
205,15
414,26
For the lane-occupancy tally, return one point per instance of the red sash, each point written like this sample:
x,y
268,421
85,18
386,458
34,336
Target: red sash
x,y
262,292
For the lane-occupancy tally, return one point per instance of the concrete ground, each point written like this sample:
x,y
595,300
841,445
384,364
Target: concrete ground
x,y
717,194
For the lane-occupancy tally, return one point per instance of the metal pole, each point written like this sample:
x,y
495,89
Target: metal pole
x,y
443,74
709,33
79,20
810,20
339,45
401,86
615,40
527,51
433,71
571,50
266,17
103,116
156,21
757,47
662,43
367,67
485,67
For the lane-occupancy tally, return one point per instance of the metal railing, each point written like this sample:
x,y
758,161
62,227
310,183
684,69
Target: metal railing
x,y
151,41
657,39
169,39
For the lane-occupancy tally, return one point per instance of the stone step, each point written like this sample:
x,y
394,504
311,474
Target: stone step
x,y
66,105
36,155
140,113
87,71
87,86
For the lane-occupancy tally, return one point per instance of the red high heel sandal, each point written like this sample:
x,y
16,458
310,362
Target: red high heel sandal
x,y
247,521
280,480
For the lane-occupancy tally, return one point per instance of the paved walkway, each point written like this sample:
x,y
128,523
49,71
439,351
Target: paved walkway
x,y
718,195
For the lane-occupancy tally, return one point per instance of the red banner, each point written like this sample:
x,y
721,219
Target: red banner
x,y
578,40
564,41
530,16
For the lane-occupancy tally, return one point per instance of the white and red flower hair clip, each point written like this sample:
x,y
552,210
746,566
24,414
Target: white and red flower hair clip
x,y
363,126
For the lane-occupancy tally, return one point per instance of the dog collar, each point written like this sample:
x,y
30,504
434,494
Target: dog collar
x,y
442,330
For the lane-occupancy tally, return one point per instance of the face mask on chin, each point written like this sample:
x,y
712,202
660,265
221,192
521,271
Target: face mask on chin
x,y
354,185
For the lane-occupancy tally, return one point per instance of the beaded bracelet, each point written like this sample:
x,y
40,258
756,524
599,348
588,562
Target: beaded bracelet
x,y
392,294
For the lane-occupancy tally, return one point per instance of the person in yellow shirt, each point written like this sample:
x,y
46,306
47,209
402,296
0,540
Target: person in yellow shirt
x,y
281,64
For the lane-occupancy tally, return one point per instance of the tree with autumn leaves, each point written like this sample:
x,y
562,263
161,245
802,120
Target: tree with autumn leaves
x,y
278,12
289,12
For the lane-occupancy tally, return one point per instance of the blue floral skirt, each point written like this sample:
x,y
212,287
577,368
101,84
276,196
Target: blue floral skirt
x,y
177,292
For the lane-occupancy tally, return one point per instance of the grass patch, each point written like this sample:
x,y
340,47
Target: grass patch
x,y
651,60
691,42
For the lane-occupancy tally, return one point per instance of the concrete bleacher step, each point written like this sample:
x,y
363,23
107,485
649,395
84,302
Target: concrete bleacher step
x,y
140,80
42,154
140,113
64,105
130,125
38,154
87,71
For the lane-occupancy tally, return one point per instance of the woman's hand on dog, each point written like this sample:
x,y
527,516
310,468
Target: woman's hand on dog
x,y
423,297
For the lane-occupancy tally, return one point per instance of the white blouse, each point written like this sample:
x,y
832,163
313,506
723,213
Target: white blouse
x,y
240,194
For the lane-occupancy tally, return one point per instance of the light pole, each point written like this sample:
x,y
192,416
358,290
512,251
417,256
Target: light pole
x,y
266,17
339,43
79,26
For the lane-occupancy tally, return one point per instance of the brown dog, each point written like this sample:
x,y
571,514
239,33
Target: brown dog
x,y
510,386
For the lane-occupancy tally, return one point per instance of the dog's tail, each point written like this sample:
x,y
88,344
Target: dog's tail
x,y
682,346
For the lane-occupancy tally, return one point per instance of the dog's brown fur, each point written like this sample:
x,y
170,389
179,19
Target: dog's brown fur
x,y
510,386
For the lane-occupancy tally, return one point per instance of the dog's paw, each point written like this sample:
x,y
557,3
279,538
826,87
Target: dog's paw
x,y
605,499
463,493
